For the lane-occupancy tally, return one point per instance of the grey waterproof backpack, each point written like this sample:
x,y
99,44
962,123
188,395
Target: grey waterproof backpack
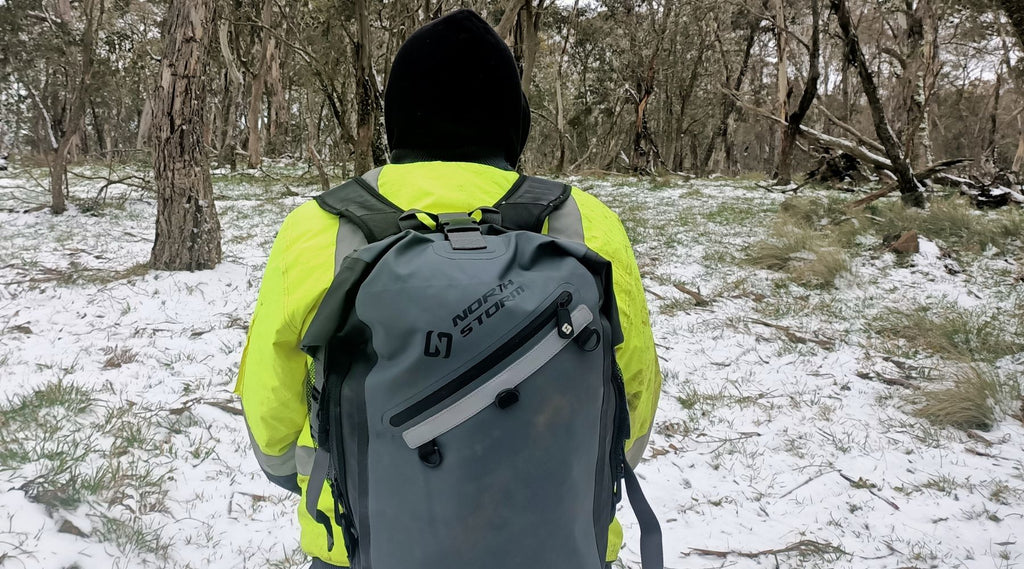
x,y
465,402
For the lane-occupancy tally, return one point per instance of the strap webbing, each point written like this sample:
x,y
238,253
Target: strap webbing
x,y
359,202
317,479
651,554
529,202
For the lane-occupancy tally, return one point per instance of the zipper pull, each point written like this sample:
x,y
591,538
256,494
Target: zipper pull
x,y
563,316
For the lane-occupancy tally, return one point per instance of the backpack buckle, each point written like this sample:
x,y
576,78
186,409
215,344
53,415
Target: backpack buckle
x,y
462,231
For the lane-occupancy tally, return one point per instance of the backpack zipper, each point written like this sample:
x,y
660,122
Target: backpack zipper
x,y
558,311
500,389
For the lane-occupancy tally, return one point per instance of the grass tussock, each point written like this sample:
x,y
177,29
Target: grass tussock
x,y
952,332
811,235
954,222
977,398
811,258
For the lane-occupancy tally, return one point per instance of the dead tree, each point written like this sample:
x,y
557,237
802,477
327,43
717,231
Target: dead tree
x,y
645,152
721,132
784,167
93,13
910,189
187,228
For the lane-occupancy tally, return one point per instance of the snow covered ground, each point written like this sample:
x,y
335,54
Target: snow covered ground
x,y
784,436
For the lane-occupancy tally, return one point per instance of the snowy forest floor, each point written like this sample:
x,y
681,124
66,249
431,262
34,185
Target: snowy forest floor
x,y
826,403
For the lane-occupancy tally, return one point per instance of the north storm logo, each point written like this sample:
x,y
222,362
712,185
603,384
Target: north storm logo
x,y
437,344
485,306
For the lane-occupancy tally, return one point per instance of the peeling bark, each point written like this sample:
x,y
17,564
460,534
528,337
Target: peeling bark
x,y
187,228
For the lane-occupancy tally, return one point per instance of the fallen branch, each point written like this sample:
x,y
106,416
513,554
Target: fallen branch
x,y
225,407
802,546
698,298
861,483
896,381
142,182
866,155
654,294
872,197
792,335
974,435
851,131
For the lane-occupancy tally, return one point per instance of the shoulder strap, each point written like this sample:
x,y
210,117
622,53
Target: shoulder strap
x,y
359,202
651,554
529,202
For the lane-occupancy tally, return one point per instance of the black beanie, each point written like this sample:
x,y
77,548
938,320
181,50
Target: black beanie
x,y
454,94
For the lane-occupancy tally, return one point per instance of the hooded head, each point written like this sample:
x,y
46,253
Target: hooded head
x,y
454,94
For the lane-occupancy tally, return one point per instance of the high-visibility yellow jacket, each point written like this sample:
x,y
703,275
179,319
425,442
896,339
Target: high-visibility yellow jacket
x,y
271,379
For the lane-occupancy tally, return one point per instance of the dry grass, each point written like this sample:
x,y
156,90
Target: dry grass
x,y
954,222
952,332
976,399
811,233
811,258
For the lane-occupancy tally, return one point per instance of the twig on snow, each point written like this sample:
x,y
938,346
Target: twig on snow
x,y
861,483
808,481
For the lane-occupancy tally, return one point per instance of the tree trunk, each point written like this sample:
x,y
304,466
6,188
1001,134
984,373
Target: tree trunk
x,y
908,185
312,138
232,90
254,118
93,13
187,228
728,103
784,168
559,103
781,73
991,148
917,82
364,90
145,122
1018,159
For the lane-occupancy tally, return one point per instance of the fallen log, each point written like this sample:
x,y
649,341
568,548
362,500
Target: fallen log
x,y
866,155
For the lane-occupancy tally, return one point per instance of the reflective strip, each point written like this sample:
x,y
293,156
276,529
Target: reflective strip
x,y
635,453
478,400
304,459
372,176
349,239
283,465
566,222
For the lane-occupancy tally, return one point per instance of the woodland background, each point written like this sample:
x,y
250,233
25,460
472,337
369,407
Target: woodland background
x,y
910,88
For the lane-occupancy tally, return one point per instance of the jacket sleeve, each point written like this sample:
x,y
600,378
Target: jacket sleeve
x,y
271,377
636,356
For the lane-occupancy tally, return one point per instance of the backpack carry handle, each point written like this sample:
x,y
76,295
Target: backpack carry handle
x,y
410,220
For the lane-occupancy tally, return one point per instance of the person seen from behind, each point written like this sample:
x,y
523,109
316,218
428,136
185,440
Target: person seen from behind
x,y
457,123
